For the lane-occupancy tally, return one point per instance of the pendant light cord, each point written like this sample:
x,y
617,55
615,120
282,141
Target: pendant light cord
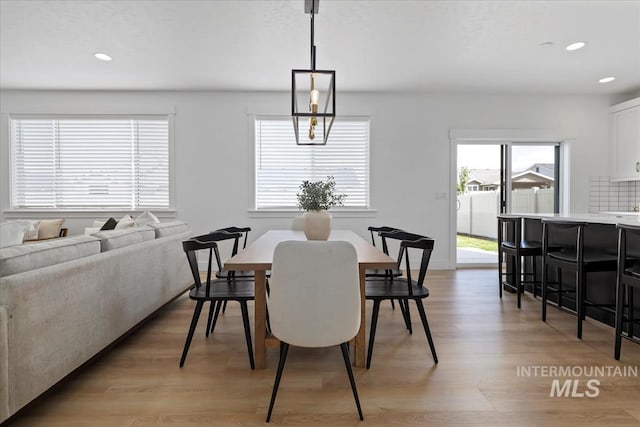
x,y
313,46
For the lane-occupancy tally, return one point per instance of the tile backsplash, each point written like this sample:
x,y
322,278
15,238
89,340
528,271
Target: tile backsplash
x,y
607,195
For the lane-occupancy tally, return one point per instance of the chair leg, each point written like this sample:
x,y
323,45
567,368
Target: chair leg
x,y
192,328
247,331
210,317
545,278
535,276
284,349
500,271
630,315
619,316
345,355
211,325
559,274
580,300
518,277
404,308
224,306
393,305
268,321
427,331
514,280
372,332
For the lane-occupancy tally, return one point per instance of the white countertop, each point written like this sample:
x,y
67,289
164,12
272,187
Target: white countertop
x,y
628,218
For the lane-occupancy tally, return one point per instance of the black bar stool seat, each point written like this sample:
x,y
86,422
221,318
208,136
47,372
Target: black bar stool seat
x,y
527,248
592,260
511,243
573,256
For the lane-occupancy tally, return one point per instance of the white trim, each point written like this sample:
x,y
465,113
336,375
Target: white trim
x,y
172,162
625,105
482,136
291,213
527,172
44,213
97,109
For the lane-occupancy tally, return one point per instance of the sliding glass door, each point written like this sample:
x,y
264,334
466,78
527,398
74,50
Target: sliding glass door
x,y
500,178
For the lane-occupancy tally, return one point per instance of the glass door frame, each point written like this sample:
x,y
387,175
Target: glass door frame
x,y
506,137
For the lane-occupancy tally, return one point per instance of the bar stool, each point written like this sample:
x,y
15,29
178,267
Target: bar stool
x,y
565,255
628,280
510,243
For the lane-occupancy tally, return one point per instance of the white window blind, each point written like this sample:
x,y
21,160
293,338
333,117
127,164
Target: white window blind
x,y
281,165
84,163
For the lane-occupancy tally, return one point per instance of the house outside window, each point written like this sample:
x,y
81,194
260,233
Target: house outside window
x,y
281,165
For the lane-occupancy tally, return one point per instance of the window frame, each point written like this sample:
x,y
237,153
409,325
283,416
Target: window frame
x,y
37,212
286,212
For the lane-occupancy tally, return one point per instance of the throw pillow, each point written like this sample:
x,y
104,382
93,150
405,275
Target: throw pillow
x,y
11,233
98,224
30,230
125,222
109,225
50,228
146,218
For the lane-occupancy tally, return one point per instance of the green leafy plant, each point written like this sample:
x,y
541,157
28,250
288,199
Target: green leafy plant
x,y
463,179
319,195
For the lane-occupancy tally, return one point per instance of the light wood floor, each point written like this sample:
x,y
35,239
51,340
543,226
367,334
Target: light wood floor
x,y
480,339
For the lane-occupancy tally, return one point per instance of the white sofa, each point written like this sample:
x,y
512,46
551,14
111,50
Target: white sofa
x,y
63,301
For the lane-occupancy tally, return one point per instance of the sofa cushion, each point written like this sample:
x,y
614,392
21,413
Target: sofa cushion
x,y
20,258
168,228
114,239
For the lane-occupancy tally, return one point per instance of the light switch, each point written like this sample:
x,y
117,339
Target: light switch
x,y
441,196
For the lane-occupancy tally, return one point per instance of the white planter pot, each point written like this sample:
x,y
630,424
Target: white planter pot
x,y
317,225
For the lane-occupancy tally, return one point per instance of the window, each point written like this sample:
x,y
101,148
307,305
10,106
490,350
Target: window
x,y
281,165
90,162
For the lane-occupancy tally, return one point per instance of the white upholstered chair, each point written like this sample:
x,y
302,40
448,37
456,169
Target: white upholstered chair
x,y
314,300
297,223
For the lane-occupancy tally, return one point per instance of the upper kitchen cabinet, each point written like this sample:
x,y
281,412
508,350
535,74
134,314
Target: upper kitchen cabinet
x,y
625,139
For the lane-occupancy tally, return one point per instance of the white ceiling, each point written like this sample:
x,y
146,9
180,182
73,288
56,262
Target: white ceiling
x,y
372,45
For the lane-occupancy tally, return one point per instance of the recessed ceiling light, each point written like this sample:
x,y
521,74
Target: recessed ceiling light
x,y
606,79
575,46
546,44
102,56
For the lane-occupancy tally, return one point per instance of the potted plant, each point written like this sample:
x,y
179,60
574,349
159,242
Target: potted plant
x,y
315,197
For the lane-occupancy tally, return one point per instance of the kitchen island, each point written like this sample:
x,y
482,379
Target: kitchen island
x,y
600,234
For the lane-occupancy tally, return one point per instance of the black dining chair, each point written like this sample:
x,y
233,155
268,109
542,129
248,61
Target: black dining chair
x,y
235,233
566,250
402,289
215,290
511,243
628,279
385,248
223,274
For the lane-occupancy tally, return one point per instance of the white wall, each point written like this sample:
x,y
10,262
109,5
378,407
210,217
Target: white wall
x,y
409,148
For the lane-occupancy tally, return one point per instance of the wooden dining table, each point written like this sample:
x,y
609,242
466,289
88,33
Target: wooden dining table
x,y
258,256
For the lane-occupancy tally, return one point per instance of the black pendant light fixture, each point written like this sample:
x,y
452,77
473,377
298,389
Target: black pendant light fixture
x,y
310,90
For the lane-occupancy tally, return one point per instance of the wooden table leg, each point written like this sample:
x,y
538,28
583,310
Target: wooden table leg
x,y
359,351
260,316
